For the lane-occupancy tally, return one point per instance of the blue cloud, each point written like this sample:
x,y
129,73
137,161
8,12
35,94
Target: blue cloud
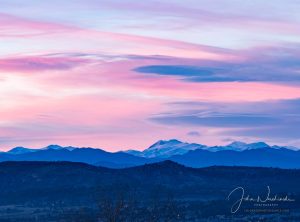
x,y
276,120
189,73
227,121
269,65
194,133
286,132
176,70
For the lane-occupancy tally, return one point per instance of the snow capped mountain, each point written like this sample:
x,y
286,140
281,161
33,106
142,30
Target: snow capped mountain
x,y
167,148
258,145
53,147
246,146
162,149
21,150
285,147
57,147
164,143
239,146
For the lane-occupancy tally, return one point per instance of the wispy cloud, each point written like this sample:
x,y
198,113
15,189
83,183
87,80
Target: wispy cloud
x,y
15,26
275,120
279,64
39,63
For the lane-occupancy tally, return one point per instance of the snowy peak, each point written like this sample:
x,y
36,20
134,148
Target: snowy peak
x,y
240,146
57,147
258,145
53,147
164,143
167,148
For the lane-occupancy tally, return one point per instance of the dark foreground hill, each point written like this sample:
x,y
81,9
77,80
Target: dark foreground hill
x,y
165,191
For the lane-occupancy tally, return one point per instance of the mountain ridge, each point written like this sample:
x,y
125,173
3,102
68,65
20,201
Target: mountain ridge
x,y
189,154
235,145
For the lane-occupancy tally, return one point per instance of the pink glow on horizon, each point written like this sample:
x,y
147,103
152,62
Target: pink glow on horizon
x,y
70,78
95,102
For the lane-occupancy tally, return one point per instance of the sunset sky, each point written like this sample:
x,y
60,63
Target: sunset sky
x,y
122,74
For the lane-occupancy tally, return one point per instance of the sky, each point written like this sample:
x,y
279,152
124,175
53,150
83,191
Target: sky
x,y
122,74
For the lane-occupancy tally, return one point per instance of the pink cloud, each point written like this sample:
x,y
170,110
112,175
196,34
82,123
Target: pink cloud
x,y
90,100
39,63
194,15
13,26
94,104
120,75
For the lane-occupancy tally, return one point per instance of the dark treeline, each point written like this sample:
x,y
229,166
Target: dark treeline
x,y
166,191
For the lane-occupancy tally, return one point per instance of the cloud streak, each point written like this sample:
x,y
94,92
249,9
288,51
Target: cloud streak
x,y
39,63
270,65
275,120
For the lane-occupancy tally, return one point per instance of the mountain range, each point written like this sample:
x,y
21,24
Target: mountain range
x,y
189,154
